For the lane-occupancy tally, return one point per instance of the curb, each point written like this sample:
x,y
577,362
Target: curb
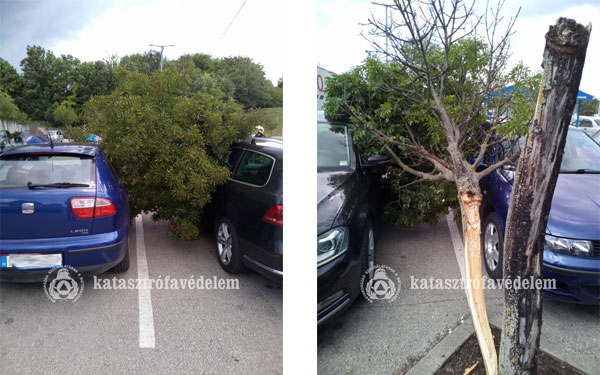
x,y
443,350
440,353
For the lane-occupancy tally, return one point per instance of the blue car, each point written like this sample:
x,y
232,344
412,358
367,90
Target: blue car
x,y
61,205
572,244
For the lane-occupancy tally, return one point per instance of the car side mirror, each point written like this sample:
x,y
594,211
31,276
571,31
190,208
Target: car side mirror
x,y
377,161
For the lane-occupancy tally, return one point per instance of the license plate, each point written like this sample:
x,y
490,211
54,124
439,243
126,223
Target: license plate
x,y
32,261
3,261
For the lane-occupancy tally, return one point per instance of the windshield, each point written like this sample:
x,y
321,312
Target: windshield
x,y
581,154
333,147
26,170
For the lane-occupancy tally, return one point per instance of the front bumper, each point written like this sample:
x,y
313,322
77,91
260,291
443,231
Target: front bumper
x,y
577,278
338,285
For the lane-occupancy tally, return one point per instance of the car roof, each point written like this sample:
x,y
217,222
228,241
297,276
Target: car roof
x,y
269,146
67,148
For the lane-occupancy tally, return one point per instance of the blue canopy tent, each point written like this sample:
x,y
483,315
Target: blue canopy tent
x,y
35,139
580,97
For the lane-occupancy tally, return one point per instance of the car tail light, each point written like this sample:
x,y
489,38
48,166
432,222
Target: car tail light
x,y
274,215
88,207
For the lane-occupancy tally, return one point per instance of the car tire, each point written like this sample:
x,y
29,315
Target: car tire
x,y
228,251
367,252
123,266
492,246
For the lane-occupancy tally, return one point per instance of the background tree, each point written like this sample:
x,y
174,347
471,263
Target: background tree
x,y
36,97
248,79
148,62
9,109
436,91
11,82
166,142
590,107
92,79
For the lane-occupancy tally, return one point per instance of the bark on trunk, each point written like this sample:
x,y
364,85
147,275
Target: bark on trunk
x,y
470,204
533,188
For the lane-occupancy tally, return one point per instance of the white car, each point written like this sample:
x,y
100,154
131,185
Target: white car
x,y
589,124
55,135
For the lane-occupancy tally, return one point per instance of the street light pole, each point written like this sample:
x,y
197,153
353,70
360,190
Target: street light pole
x,y
386,26
162,48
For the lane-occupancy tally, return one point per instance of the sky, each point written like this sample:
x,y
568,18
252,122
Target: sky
x,y
340,46
96,30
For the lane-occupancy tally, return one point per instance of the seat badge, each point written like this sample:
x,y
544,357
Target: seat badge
x,y
27,208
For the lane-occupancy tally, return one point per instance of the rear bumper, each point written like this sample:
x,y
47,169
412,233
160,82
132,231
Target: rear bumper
x,y
89,255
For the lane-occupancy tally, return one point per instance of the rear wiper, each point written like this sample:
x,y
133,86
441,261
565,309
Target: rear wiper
x,y
57,185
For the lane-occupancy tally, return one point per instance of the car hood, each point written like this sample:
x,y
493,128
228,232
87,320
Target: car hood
x,y
334,191
575,211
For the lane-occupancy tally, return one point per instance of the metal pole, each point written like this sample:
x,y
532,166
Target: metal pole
x,y
387,31
162,48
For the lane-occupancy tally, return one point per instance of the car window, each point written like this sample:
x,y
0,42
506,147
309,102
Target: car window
x,y
254,168
585,123
18,170
581,153
232,158
333,147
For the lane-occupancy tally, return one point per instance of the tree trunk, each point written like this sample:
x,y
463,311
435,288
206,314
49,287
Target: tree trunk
x,y
470,204
535,180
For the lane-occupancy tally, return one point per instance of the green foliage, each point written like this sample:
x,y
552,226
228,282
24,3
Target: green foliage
x,y
517,105
388,100
363,97
9,110
78,134
251,88
10,81
589,107
148,62
47,81
65,115
166,143
273,121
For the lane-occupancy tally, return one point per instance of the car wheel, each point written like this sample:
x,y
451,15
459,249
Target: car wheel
x,y
367,252
492,245
123,266
228,251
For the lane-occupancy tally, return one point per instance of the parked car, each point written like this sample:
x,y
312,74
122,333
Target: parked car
x,y
596,136
247,211
61,205
572,244
349,204
589,124
55,135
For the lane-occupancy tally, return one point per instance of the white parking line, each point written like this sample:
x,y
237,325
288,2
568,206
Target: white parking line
x,y
145,301
459,247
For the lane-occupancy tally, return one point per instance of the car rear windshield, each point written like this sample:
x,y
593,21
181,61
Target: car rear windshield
x,y
581,154
333,147
47,170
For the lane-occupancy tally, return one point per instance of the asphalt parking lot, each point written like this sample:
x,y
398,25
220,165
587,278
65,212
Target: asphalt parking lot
x,y
111,329
392,338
